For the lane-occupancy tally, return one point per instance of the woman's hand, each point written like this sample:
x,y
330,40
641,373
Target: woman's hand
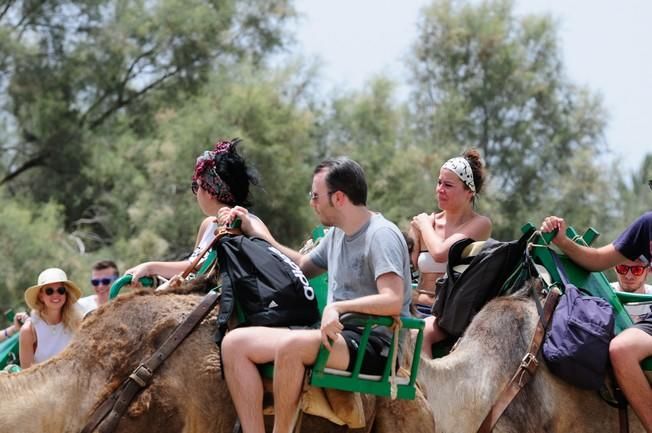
x,y
331,326
423,220
139,271
226,216
19,319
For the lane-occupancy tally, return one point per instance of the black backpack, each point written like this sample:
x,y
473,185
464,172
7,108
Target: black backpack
x,y
268,287
461,296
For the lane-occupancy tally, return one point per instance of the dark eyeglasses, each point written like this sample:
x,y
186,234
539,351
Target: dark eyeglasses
x,y
102,281
194,187
637,270
50,291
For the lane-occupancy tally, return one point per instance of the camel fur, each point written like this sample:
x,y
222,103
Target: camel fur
x,y
187,393
462,386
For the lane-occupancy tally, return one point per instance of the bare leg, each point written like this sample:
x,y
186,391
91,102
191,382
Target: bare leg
x,y
626,351
294,353
242,350
432,334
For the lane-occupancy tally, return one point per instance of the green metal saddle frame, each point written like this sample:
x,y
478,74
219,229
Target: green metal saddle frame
x,y
324,377
9,347
593,283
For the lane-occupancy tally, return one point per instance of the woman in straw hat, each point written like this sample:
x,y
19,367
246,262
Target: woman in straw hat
x,y
54,317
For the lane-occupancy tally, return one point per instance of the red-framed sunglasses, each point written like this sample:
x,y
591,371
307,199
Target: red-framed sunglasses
x,y
637,270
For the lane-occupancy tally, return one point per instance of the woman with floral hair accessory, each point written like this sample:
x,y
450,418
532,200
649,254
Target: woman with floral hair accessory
x,y
221,179
460,180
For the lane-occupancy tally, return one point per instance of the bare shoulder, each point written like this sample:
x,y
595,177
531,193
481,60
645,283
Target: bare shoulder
x,y
27,332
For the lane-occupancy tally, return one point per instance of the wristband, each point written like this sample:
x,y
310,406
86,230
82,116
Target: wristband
x,y
6,333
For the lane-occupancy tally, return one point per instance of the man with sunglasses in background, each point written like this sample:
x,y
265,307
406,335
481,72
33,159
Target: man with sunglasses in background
x,y
103,274
631,278
634,344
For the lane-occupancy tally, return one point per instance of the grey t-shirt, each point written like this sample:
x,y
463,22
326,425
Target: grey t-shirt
x,y
355,262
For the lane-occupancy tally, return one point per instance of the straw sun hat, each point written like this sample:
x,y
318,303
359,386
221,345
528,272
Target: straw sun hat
x,y
49,276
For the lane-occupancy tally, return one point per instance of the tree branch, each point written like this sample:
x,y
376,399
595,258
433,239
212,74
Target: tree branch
x,y
34,162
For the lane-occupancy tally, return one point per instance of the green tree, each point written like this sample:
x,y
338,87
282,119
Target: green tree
x,y
484,77
75,69
369,126
632,196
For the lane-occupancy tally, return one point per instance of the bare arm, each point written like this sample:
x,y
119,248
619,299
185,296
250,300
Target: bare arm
x,y
27,341
593,259
168,269
478,228
387,302
414,233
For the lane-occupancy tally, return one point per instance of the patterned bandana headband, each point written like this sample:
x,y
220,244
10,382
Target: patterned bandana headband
x,y
461,167
205,169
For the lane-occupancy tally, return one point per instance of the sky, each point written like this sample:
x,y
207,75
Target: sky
x,y
606,46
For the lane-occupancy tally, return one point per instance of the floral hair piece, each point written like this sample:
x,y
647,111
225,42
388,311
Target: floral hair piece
x,y
461,167
206,170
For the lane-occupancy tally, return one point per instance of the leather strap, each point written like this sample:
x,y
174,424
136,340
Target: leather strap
x,y
219,233
623,421
526,370
108,414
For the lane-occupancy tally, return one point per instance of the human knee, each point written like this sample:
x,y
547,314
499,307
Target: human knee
x,y
296,347
233,345
620,349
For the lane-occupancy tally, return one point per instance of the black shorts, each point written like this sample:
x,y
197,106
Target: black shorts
x,y
645,324
377,350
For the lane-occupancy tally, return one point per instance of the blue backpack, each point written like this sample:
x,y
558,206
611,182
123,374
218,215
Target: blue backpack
x,y
576,347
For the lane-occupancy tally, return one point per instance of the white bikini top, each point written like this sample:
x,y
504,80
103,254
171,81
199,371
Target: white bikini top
x,y
426,263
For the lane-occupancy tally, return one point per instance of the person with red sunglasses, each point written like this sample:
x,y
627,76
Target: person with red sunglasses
x,y
634,344
631,278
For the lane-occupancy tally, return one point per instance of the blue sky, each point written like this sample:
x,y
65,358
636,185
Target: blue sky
x,y
606,46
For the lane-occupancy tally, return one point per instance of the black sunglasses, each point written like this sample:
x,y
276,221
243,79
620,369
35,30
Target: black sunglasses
x,y
102,281
50,291
194,187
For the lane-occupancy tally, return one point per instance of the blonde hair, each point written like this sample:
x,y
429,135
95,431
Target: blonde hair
x,y
70,316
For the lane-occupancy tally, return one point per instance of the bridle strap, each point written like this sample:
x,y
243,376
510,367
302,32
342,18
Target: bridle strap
x,y
525,370
108,414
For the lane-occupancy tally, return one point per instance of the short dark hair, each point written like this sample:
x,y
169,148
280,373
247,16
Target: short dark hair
x,y
346,175
106,264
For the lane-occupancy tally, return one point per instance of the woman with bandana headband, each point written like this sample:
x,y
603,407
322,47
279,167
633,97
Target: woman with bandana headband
x,y
221,179
460,180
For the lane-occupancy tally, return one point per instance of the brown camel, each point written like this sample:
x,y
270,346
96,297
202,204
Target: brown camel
x,y
462,386
186,395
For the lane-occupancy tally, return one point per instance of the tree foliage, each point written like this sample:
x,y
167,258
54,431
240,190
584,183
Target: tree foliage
x,y
485,78
71,66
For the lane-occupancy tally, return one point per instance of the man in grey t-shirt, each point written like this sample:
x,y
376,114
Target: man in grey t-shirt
x,y
368,268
